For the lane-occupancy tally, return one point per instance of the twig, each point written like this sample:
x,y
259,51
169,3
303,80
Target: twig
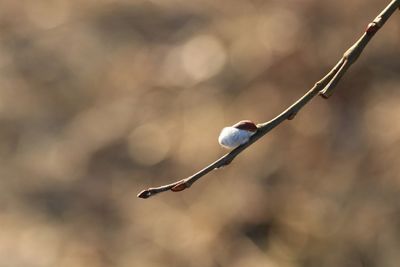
x,y
324,87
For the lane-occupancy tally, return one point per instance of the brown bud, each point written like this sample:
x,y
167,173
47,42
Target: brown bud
x,y
179,187
292,115
372,28
246,125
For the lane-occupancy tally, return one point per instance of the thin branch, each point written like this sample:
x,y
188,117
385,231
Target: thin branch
x,y
324,87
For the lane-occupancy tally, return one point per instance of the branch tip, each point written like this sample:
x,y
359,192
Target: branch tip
x,y
144,194
324,95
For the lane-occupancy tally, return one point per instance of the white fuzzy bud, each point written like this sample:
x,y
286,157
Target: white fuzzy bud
x,y
234,136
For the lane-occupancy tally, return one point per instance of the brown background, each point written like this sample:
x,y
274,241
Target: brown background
x,y
101,99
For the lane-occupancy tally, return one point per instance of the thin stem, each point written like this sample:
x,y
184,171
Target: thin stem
x,y
324,87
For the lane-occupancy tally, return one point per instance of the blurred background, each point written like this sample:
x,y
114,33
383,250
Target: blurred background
x,y
101,99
